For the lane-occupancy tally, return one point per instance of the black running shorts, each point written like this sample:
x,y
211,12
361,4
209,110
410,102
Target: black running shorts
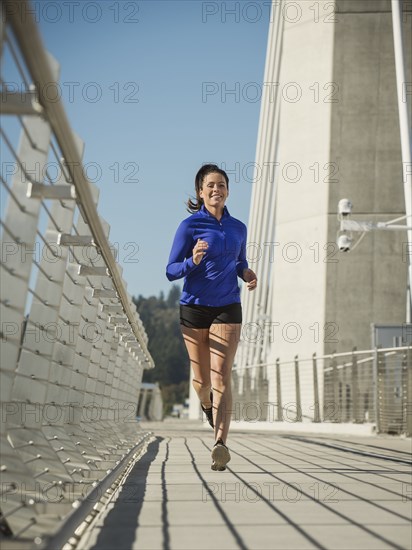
x,y
195,316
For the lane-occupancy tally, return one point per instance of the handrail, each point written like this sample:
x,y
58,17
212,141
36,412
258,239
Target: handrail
x,y
328,356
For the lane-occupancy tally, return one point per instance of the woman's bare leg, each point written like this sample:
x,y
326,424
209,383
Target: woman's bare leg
x,y
224,339
197,344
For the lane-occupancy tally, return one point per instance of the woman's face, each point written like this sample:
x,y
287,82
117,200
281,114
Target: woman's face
x,y
214,191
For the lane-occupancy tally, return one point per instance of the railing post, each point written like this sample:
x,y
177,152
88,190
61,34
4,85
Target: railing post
x,y
382,394
335,384
355,388
297,387
407,392
316,414
278,393
376,390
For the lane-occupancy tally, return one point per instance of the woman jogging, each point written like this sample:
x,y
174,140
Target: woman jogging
x,y
209,251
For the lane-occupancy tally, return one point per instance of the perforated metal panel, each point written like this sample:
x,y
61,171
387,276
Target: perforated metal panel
x,y
66,374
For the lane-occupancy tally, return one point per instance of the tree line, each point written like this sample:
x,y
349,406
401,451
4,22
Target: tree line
x,y
160,317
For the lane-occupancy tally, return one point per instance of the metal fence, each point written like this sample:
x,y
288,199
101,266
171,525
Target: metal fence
x,y
371,386
73,347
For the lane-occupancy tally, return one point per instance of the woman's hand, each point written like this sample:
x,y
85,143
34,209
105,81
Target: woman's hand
x,y
250,279
199,251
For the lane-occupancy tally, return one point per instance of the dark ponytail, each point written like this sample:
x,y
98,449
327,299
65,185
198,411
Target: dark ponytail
x,y
194,206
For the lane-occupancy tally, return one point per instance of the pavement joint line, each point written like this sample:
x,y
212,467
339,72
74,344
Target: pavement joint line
x,y
347,518
349,450
334,484
387,471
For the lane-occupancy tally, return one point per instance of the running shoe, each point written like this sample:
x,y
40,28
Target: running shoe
x,y
209,412
220,456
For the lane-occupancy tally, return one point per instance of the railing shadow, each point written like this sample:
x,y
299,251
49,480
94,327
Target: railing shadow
x,y
128,506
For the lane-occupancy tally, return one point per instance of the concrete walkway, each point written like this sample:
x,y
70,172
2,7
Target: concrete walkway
x,y
280,491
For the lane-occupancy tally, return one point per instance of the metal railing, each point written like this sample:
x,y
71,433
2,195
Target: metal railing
x,y
73,347
368,386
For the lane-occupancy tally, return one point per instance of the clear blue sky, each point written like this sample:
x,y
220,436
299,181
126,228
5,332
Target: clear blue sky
x,y
176,58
